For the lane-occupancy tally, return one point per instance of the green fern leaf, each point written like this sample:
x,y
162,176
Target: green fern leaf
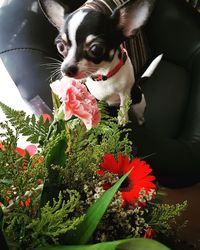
x,y
163,215
35,129
56,219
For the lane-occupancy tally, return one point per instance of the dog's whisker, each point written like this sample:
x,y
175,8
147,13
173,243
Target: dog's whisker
x,y
56,71
50,67
54,77
55,74
54,59
53,63
53,66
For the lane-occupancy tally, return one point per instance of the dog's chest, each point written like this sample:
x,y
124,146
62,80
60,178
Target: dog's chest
x,y
110,89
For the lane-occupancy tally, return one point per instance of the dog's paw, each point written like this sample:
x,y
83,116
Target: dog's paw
x,y
139,110
141,120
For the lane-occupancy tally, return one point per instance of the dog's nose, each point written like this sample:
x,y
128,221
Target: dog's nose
x,y
70,70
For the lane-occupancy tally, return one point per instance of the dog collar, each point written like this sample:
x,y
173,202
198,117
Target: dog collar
x,y
123,58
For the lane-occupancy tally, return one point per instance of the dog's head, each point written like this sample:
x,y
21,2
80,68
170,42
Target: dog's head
x,y
88,39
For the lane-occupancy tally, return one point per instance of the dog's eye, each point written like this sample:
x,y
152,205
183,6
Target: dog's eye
x,y
61,47
96,50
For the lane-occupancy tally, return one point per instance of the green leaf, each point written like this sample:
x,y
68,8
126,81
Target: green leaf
x,y
56,101
56,154
93,216
3,243
34,129
129,244
140,244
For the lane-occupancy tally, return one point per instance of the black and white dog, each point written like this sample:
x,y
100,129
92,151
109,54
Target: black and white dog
x,y
90,43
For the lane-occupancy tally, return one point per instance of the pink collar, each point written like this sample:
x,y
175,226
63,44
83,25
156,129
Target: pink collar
x,y
123,58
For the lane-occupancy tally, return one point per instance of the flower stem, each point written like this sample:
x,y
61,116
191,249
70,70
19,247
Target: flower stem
x,y
69,141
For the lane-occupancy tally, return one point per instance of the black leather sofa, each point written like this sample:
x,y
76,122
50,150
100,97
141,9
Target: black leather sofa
x,y
172,129
171,135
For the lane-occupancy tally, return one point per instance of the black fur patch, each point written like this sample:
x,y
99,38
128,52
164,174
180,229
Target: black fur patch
x,y
100,25
136,94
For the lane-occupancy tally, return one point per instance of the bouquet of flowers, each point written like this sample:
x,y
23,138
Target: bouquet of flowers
x,y
77,185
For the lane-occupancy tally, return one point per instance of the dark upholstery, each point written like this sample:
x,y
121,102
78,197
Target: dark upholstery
x,y
172,129
26,45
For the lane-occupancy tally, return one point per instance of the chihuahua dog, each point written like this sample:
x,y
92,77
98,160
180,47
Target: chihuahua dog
x,y
90,43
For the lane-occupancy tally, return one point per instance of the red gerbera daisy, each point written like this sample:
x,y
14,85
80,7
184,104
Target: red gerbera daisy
x,y
137,180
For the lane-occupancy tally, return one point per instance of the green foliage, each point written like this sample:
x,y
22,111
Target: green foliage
x,y
56,101
55,220
108,137
8,156
129,244
30,230
54,150
94,214
68,159
35,129
17,174
124,110
8,135
87,148
163,216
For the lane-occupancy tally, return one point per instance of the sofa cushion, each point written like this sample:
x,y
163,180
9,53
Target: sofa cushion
x,y
167,94
162,139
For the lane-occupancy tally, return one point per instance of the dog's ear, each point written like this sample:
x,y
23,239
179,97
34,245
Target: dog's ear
x,y
54,11
132,15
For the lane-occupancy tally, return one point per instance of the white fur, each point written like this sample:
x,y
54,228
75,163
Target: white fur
x,y
89,38
115,89
111,88
55,13
140,16
131,20
73,25
149,71
64,37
